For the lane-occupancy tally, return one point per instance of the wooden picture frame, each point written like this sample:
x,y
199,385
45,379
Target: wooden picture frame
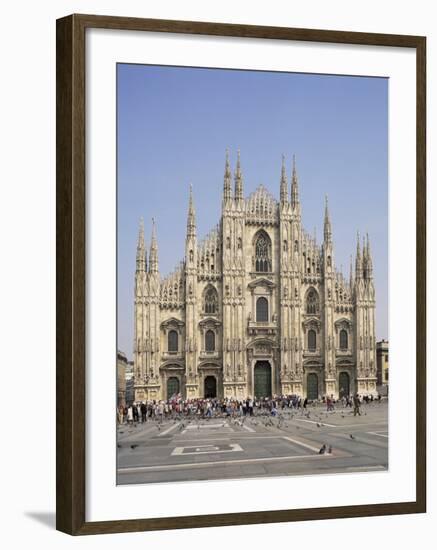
x,y
71,254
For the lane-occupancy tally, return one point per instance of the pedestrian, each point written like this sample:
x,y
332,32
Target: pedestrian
x,y
120,415
130,415
139,415
357,405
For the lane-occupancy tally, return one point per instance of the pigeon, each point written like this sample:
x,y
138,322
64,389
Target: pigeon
x,y
133,446
318,425
118,445
351,436
322,449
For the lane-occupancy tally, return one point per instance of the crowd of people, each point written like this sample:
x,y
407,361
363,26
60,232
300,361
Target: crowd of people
x,y
176,407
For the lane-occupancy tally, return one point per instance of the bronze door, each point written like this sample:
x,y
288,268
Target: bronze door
x,y
263,379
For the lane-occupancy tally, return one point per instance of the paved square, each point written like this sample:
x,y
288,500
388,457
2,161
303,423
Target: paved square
x,y
258,446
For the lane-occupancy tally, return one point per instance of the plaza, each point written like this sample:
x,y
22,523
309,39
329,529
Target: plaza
x,y
255,446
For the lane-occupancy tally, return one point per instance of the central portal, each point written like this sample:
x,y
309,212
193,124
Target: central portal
x,y
262,379
210,387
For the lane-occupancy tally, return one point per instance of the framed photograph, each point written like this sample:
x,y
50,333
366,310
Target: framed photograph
x,y
240,256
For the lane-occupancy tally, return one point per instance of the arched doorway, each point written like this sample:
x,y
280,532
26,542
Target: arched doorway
x,y
173,387
312,386
262,379
344,384
210,386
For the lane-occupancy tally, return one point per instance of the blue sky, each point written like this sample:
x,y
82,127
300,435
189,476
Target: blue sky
x,y
174,124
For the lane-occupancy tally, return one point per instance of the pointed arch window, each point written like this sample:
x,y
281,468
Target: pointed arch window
x,y
312,340
312,305
210,340
211,301
343,339
262,310
173,341
263,253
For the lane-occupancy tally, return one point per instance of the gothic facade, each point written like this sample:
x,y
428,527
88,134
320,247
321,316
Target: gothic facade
x,y
257,308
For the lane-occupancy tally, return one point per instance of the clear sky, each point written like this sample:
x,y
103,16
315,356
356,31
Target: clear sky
x,y
174,124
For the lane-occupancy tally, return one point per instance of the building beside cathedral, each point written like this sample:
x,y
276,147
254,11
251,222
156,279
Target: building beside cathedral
x,y
257,308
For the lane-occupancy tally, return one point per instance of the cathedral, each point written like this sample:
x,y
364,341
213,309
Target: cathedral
x,y
257,308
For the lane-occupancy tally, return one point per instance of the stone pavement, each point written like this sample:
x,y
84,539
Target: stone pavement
x,y
258,446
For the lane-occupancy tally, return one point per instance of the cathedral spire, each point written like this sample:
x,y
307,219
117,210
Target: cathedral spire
x,y
364,261
294,185
327,225
369,270
227,179
238,179
358,260
284,183
351,274
191,220
153,257
141,249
